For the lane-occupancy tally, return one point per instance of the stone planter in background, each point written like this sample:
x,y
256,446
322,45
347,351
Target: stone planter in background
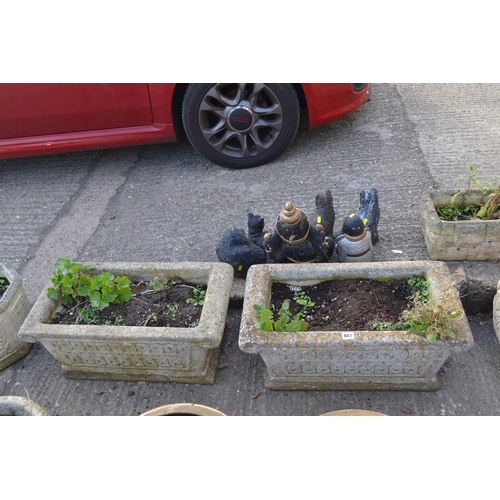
x,y
187,355
360,360
458,240
14,307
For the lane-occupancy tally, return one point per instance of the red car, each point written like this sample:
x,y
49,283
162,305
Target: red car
x,y
236,125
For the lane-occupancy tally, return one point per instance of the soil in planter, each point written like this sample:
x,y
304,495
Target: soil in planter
x,y
346,305
4,284
147,307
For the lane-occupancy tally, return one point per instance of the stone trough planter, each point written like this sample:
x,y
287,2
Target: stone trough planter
x,y
496,311
14,307
458,240
336,360
118,352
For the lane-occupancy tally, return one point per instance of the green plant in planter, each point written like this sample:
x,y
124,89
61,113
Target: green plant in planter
x,y
285,322
159,284
488,210
382,326
422,318
4,284
198,297
430,321
421,286
71,282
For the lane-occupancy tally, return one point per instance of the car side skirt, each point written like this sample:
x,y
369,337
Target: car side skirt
x,y
85,141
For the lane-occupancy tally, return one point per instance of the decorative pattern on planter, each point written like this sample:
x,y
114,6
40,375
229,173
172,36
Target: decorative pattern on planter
x,y
14,307
364,360
118,352
458,240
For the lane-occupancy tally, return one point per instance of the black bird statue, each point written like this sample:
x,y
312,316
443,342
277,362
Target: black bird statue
x,y
369,211
325,213
235,248
256,229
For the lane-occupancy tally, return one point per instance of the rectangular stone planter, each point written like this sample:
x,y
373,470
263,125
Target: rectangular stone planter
x,y
360,360
118,352
496,311
458,240
14,307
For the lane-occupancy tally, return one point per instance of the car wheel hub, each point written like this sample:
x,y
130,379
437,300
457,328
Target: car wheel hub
x,y
240,119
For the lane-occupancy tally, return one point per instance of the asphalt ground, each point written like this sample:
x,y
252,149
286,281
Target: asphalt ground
x,y
167,203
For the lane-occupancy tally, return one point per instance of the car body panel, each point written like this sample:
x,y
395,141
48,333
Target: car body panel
x,y
28,110
327,102
39,119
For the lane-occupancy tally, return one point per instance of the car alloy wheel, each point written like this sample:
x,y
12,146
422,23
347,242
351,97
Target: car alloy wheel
x,y
241,125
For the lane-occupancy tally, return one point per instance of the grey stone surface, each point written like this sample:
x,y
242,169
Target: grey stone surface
x,y
167,203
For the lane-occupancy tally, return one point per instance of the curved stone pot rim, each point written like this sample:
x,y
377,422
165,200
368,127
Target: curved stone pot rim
x,y
183,409
353,413
20,406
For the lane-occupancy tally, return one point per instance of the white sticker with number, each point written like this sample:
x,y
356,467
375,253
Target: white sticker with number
x,y
347,336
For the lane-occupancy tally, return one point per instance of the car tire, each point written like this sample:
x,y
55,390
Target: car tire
x,y
240,125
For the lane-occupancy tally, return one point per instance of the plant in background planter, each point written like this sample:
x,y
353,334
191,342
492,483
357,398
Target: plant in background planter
x,y
462,224
115,350
352,359
14,307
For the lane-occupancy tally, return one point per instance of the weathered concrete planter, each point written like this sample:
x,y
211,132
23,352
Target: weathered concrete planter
x,y
14,307
458,240
364,360
15,406
496,311
186,355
